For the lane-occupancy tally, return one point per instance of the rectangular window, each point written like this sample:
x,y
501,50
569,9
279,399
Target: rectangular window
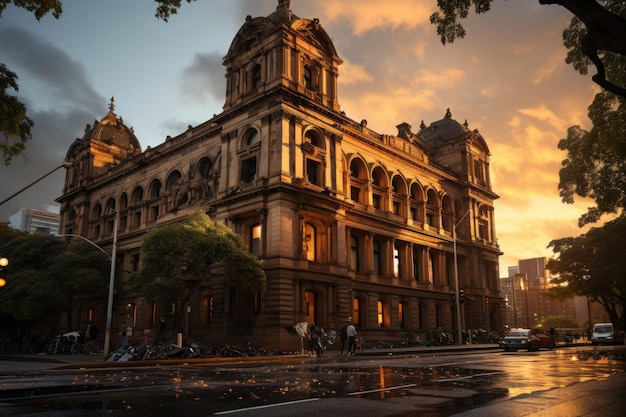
x,y
313,172
376,201
356,312
248,170
255,240
354,193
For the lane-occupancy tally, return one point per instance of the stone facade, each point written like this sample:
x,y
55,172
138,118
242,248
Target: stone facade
x,y
347,222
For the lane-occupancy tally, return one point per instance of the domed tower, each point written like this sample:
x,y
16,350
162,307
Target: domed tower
x,y
281,51
459,149
103,145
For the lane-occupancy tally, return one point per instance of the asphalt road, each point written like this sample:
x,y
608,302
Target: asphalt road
x,y
571,381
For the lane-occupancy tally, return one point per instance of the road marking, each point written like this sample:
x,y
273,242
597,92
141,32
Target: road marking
x,y
469,376
382,389
264,406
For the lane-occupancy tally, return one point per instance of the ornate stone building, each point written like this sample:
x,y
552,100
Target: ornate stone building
x,y
347,222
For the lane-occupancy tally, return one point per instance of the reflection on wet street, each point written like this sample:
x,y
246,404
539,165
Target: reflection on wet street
x,y
166,391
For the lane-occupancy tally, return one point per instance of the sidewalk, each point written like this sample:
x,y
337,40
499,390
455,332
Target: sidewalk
x,y
603,397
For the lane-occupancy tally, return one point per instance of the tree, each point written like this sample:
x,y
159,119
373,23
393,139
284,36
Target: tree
x,y
177,258
596,161
558,322
593,265
47,276
602,31
15,125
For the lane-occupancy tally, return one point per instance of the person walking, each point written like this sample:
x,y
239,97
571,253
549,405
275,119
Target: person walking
x,y
343,337
351,333
161,333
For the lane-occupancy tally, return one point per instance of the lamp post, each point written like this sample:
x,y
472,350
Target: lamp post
x,y
63,165
112,257
456,283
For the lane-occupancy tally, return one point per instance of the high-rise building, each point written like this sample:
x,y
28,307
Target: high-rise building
x,y
347,222
36,221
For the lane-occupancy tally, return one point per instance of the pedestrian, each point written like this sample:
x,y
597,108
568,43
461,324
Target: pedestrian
x,y
161,333
124,339
93,331
316,344
351,333
343,337
552,333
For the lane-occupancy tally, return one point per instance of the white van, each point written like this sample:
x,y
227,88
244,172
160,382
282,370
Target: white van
x,y
602,333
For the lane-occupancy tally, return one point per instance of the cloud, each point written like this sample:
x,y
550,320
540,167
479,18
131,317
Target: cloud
x,y
542,113
60,100
204,78
367,15
353,74
52,76
549,69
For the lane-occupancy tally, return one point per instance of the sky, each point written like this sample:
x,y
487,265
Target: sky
x,y
508,78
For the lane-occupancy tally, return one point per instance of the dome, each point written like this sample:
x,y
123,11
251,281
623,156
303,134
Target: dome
x,y
112,131
443,130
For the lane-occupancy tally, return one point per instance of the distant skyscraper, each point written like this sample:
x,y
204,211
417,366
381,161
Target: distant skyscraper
x,y
36,221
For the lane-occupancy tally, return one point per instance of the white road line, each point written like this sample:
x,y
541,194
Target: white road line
x,y
382,389
469,376
220,413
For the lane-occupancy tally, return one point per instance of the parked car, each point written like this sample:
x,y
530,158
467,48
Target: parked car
x,y
602,333
520,339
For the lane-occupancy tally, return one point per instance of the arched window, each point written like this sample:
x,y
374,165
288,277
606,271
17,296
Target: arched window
x,y
358,181
416,204
248,161
379,189
314,157
398,195
447,214
172,181
204,168
123,201
252,137
432,209
155,189
110,206
137,197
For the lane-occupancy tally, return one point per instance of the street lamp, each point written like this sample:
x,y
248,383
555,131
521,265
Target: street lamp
x,y
456,282
63,165
107,334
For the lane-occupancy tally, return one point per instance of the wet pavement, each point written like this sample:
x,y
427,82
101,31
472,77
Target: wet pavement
x,y
435,382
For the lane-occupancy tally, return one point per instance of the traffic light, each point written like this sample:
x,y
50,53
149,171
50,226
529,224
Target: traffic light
x,y
461,296
453,297
3,271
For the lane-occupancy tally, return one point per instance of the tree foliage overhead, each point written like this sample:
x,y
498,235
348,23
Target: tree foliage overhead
x,y
176,258
15,125
593,265
600,32
596,161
